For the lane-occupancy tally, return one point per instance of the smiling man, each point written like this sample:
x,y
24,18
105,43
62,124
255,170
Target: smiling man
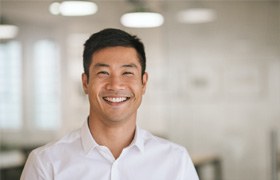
x,y
110,146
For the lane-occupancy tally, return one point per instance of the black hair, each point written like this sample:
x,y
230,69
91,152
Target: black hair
x,y
112,38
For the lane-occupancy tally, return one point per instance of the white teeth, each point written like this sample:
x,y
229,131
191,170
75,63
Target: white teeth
x,y
116,100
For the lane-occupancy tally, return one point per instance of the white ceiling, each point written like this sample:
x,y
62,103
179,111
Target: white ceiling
x,y
36,11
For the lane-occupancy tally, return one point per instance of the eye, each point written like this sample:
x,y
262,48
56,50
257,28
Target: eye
x,y
127,73
102,74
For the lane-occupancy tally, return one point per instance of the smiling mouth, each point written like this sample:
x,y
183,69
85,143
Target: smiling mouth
x,y
116,99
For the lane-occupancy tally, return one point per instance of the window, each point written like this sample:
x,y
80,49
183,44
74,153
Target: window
x,y
10,85
42,95
46,85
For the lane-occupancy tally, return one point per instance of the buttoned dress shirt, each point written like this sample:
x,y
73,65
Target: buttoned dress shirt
x,y
77,156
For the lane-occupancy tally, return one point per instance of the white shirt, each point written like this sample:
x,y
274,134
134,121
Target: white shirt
x,y
78,157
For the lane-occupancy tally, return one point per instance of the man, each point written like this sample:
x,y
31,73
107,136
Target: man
x,y
110,145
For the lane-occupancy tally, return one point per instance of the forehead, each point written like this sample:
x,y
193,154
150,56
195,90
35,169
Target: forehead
x,y
116,55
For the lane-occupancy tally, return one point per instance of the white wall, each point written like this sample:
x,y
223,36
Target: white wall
x,y
220,85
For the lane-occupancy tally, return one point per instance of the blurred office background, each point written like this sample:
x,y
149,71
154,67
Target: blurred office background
x,y
214,84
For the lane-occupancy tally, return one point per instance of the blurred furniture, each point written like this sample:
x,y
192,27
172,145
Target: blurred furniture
x,y
11,163
275,155
202,160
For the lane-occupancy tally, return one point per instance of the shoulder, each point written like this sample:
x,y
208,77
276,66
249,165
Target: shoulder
x,y
56,147
161,144
41,160
169,153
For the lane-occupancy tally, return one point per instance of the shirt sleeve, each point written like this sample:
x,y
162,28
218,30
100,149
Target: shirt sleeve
x,y
34,168
189,169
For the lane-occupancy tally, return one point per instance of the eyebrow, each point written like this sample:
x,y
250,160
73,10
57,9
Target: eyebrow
x,y
131,65
97,65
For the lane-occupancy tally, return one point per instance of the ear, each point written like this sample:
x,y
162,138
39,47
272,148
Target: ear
x,y
144,82
85,83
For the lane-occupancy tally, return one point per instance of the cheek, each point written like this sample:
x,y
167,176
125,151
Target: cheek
x,y
139,88
94,88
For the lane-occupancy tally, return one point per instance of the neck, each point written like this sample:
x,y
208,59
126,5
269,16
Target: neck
x,y
116,137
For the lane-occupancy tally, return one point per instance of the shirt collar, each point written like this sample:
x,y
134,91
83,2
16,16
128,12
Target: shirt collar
x,y
138,139
89,143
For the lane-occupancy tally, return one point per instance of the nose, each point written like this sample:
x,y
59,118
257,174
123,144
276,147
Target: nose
x,y
115,83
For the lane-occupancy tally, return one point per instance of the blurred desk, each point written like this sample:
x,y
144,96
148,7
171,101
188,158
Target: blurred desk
x,y
213,160
278,162
10,161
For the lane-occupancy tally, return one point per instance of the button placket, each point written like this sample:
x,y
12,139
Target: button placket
x,y
115,175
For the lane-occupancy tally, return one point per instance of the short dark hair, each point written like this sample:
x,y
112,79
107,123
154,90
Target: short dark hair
x,y
112,38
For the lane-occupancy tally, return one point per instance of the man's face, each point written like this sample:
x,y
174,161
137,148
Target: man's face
x,y
115,86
